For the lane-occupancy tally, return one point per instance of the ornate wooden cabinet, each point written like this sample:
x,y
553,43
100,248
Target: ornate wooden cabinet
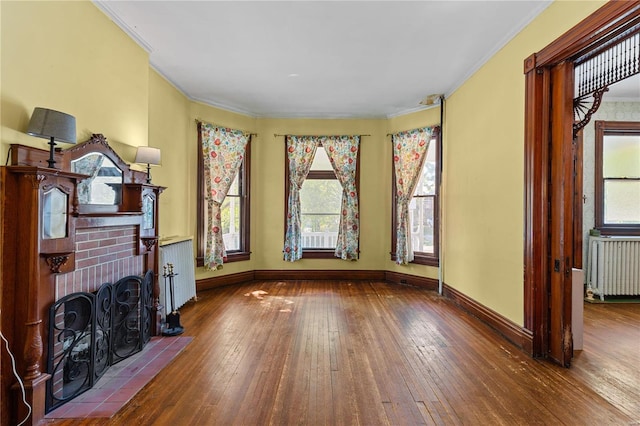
x,y
42,209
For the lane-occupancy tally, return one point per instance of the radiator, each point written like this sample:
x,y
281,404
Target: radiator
x,y
614,266
179,252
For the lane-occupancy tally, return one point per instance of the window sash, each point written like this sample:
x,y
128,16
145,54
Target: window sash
x,y
606,221
423,238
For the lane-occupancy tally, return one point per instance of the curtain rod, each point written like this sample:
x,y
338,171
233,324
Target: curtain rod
x,y
402,131
199,121
277,135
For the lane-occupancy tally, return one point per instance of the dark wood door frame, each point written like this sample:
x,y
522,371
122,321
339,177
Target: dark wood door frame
x,y
539,163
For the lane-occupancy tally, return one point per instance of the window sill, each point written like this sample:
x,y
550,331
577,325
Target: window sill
x,y
318,254
231,257
620,230
421,260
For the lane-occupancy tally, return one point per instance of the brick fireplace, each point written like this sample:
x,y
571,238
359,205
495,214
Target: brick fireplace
x,y
54,245
103,254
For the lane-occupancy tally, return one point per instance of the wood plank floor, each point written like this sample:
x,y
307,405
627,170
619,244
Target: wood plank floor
x,y
370,353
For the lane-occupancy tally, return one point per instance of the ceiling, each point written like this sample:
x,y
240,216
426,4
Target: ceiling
x,y
320,59
627,90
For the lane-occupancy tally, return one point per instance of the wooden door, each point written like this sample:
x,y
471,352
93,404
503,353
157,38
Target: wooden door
x,y
561,196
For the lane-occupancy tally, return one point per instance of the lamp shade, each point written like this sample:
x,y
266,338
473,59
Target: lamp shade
x,y
148,155
47,123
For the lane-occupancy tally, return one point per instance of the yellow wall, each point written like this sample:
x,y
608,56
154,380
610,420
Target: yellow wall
x,y
103,78
270,201
484,169
69,57
169,127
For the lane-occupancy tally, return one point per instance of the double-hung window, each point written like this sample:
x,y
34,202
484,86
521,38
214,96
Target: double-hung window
x,y
321,189
320,198
234,210
423,208
617,177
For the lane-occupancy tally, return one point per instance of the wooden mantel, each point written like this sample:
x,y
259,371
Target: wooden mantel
x,y
41,214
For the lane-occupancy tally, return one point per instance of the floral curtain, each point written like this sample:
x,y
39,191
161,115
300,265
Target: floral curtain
x,y
223,150
343,154
300,152
409,152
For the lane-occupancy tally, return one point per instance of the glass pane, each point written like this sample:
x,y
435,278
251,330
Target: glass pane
x,y
320,206
321,160
622,202
104,186
54,214
230,215
147,212
621,156
427,183
235,185
422,224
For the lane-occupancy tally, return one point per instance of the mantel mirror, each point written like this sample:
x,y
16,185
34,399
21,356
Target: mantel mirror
x,y
104,190
104,186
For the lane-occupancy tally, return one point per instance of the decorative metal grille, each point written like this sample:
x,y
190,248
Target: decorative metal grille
x,y
127,336
71,339
147,311
90,332
102,349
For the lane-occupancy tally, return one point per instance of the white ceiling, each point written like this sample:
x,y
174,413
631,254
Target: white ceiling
x,y
324,59
627,90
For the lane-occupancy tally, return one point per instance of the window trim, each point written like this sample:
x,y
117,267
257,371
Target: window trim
x,y
421,258
603,128
244,176
317,253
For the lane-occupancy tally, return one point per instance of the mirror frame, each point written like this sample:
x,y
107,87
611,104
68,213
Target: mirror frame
x,y
97,143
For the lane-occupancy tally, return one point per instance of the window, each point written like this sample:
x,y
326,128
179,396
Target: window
x,y
617,177
320,204
234,212
320,198
423,209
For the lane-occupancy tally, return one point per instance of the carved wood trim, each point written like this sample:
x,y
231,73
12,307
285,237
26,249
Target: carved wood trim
x,y
56,261
580,109
33,349
96,143
149,242
588,32
530,63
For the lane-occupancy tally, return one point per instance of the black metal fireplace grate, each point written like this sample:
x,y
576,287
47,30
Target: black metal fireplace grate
x,y
89,332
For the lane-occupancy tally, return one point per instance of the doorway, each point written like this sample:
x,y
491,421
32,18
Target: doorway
x,y
549,176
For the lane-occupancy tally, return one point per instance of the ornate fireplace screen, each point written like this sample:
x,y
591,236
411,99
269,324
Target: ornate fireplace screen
x,y
90,332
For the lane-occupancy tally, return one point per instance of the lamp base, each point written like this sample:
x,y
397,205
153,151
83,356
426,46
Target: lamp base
x,y
148,173
51,161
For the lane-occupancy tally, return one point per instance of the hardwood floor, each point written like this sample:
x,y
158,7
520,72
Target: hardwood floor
x,y
370,353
